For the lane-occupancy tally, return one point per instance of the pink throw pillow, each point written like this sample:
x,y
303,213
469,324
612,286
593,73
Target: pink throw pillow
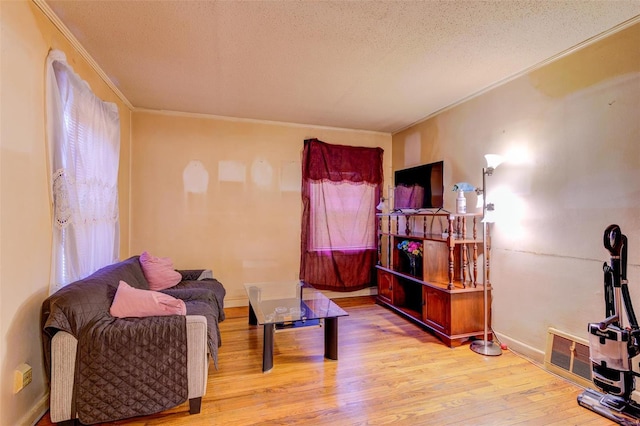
x,y
133,302
159,272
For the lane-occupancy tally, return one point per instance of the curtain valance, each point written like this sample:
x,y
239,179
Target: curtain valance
x,y
339,163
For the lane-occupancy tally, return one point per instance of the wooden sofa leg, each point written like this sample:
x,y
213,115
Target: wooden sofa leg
x,y
194,405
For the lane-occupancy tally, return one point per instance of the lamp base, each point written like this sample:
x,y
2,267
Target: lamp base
x,y
485,348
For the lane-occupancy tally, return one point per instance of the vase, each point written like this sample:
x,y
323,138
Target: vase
x,y
413,264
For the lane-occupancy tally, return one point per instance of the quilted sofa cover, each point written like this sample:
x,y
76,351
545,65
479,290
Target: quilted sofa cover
x,y
104,368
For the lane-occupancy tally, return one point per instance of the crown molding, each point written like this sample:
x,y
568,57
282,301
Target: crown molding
x,y
569,51
254,120
49,13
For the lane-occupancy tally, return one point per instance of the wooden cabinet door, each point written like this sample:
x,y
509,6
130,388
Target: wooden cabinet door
x,y
437,309
385,285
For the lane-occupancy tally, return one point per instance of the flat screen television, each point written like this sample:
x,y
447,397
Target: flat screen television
x,y
419,187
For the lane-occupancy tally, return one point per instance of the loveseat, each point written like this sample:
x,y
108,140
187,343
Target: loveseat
x,y
104,368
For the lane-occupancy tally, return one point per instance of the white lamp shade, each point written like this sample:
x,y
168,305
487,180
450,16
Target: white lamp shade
x,y
493,160
480,201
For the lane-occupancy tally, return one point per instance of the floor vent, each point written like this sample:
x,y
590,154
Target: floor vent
x,y
568,356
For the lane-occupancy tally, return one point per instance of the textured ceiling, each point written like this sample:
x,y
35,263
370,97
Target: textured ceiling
x,y
373,65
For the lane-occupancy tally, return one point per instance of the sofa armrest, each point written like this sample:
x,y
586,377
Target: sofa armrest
x,y
63,362
195,274
197,356
206,274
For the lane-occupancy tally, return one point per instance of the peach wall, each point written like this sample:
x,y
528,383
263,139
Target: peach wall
x,y
577,118
25,216
571,130
246,224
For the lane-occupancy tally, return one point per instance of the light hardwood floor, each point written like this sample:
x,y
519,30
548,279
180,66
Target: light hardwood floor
x,y
389,371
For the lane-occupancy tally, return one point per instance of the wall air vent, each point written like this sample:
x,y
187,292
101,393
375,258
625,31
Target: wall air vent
x,y
568,356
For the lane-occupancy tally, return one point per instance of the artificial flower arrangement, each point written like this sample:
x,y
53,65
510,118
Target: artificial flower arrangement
x,y
411,247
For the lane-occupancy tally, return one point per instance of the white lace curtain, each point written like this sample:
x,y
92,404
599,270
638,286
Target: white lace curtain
x,y
83,135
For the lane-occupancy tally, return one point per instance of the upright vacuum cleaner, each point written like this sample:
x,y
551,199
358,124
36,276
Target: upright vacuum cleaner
x,y
614,347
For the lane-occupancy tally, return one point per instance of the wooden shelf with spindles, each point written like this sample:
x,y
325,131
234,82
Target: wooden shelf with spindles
x,y
444,292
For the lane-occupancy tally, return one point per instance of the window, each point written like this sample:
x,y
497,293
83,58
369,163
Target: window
x,y
340,188
342,216
83,134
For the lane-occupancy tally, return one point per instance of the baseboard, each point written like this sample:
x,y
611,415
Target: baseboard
x,y
239,301
533,354
369,291
36,412
235,302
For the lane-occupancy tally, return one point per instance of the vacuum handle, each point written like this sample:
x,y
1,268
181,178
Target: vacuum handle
x,y
616,243
609,296
612,240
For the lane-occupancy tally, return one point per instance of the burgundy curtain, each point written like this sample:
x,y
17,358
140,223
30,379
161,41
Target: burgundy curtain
x,y
344,263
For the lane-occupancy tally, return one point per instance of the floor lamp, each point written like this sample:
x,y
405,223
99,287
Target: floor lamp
x,y
485,346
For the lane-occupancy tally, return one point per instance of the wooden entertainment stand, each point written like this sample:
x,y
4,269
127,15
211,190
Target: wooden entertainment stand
x,y
445,294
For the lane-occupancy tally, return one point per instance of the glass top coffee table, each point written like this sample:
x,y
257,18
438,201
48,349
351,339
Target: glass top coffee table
x,y
292,305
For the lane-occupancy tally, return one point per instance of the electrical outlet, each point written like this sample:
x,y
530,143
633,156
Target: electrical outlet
x,y
22,377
